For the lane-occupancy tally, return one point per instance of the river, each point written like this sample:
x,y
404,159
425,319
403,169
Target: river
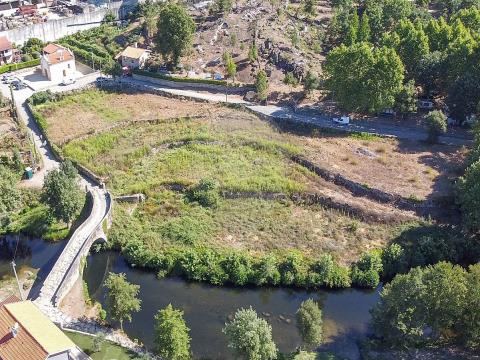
x,y
207,308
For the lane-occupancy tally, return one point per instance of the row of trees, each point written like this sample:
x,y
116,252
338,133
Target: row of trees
x,y
393,47
249,336
428,305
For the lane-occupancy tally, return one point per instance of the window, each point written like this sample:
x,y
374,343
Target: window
x,y
69,66
64,73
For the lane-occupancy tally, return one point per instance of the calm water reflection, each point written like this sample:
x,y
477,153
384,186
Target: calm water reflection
x,y
346,312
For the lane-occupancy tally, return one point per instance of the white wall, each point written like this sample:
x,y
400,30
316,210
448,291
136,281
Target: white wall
x,y
55,29
55,72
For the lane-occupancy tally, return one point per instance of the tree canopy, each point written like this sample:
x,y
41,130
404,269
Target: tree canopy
x,y
62,193
122,297
250,337
172,339
175,32
310,322
362,78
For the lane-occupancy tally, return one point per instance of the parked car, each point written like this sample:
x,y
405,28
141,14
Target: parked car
x,y
344,120
425,104
6,79
66,82
101,80
18,84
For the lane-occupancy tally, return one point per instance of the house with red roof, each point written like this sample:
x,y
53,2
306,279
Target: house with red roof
x,y
6,51
58,63
27,334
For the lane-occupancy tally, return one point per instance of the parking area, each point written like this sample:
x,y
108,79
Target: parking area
x,y
36,81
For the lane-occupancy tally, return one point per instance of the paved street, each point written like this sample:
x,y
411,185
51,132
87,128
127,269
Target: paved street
x,y
415,133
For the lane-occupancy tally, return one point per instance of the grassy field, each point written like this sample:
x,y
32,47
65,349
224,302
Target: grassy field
x,y
162,148
410,169
108,351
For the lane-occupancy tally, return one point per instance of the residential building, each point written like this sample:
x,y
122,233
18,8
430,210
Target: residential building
x,y
6,51
27,334
58,64
133,57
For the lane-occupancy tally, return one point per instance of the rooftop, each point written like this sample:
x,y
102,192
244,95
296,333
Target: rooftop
x,y
37,336
5,44
55,53
133,52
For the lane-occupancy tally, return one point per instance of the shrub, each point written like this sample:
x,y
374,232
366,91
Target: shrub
x,y
42,97
436,122
325,272
206,193
366,272
203,265
393,260
266,271
293,270
184,230
238,267
18,66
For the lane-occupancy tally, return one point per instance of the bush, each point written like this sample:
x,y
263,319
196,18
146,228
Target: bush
x,y
436,122
184,230
293,270
18,66
266,271
238,267
366,272
206,193
394,261
325,272
42,97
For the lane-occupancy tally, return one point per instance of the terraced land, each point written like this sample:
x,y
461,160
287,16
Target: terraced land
x,y
141,143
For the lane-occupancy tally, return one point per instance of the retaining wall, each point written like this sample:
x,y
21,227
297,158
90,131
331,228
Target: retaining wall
x,y
55,29
193,85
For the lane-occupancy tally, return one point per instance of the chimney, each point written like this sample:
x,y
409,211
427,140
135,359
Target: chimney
x,y
14,329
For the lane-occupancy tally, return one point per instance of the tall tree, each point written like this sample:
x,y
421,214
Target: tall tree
x,y
230,66
352,32
172,339
175,32
470,325
310,323
9,193
469,197
406,101
362,78
150,11
122,297
364,29
411,44
62,193
261,85
250,337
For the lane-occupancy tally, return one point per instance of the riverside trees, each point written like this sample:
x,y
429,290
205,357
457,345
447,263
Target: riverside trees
x,y
62,193
122,298
172,339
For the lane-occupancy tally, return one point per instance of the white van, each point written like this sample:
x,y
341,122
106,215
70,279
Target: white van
x,y
344,120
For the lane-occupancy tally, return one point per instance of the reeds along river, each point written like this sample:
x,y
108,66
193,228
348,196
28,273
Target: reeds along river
x,y
346,312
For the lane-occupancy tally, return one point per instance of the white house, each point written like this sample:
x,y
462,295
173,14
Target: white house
x,y
58,63
6,51
133,57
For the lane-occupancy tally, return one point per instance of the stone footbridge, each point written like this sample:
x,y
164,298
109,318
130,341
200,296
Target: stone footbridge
x,y
68,267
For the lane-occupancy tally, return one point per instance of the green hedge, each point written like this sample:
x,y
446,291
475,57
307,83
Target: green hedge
x,y
181,79
18,66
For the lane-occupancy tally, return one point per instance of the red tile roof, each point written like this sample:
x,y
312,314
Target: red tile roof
x,y
9,300
56,53
5,44
21,347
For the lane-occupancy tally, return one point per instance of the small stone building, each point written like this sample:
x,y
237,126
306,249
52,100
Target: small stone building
x,y
58,63
133,57
6,51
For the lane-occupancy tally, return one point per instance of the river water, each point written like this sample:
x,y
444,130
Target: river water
x,y
207,308
30,254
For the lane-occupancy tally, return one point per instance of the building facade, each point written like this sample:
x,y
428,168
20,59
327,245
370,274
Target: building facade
x,y
58,64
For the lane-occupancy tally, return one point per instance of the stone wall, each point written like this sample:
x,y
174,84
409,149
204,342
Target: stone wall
x,y
55,29
193,85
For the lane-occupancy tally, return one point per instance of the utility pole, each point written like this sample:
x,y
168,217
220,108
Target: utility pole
x,y
16,277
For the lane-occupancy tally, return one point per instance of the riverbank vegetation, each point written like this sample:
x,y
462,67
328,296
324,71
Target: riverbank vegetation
x,y
228,201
